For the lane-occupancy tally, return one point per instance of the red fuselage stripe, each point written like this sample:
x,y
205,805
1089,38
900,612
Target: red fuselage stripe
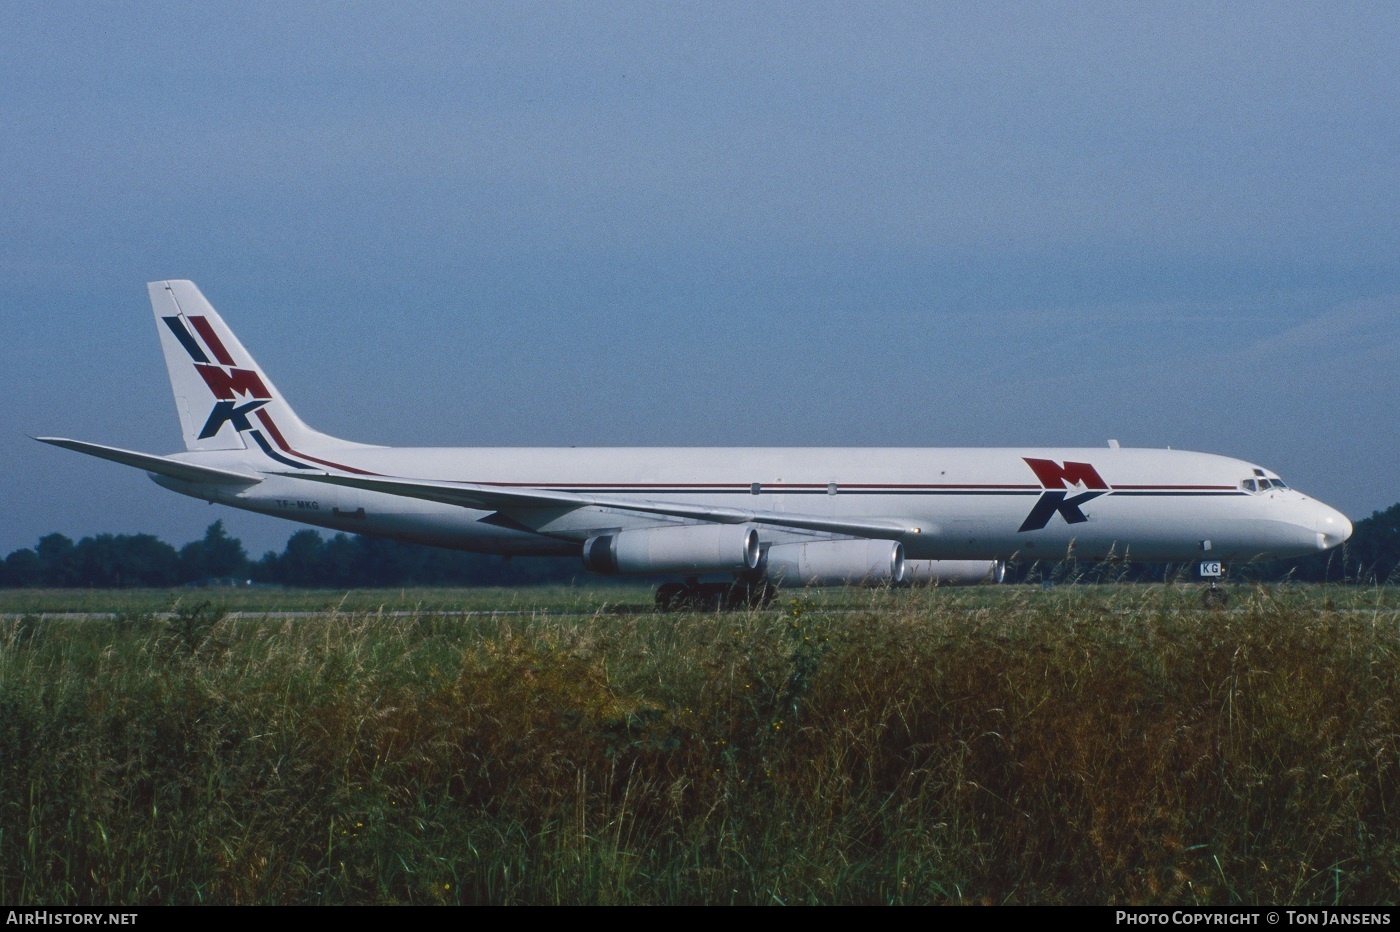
x,y
1175,488
765,487
281,442
747,486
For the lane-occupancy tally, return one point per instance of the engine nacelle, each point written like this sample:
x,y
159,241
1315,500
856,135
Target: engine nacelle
x,y
953,572
689,549
836,563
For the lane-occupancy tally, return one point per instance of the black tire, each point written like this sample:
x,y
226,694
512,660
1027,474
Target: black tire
x,y
714,597
711,597
672,597
760,595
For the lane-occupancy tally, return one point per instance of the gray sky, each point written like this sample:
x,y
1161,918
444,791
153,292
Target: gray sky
x,y
744,224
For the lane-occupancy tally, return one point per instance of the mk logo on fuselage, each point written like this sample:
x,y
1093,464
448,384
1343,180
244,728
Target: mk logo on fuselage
x,y
1058,480
226,382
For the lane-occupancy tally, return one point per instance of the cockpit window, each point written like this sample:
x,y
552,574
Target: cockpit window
x,y
1262,484
1249,485
1279,484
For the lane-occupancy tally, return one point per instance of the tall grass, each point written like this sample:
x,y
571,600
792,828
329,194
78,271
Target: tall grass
x,y
1095,744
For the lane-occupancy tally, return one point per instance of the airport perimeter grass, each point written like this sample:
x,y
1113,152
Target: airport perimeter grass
x,y
1094,744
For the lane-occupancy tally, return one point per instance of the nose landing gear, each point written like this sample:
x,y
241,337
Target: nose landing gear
x,y
1213,596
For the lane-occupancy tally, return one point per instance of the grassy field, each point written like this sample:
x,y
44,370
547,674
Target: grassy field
x,y
245,601
1090,744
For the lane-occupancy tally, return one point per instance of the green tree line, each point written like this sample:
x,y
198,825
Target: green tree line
x,y
308,560
344,561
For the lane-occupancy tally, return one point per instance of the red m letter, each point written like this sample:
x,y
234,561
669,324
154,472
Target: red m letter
x,y
1054,476
225,384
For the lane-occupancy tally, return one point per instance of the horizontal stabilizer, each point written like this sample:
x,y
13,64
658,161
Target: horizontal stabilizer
x,y
507,499
175,469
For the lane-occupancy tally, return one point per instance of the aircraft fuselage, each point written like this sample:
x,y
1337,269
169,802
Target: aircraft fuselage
x,y
966,503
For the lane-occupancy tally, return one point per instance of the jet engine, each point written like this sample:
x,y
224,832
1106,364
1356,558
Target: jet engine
x,y
691,549
836,563
953,572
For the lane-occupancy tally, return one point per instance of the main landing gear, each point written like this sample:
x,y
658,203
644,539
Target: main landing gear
x,y
695,596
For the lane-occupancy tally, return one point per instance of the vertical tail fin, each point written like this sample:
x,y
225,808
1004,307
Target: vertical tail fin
x,y
224,399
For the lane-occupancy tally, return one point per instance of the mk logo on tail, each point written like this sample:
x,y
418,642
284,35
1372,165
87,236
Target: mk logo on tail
x,y
226,384
1058,478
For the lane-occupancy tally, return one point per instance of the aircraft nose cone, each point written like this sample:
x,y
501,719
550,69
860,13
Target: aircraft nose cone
x,y
1333,528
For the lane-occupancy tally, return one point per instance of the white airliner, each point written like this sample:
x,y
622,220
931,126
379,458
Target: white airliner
x,y
753,516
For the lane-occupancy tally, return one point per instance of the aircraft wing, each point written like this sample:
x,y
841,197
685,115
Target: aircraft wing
x,y
508,498
175,469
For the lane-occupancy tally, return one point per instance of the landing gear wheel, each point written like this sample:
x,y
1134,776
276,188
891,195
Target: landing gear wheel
x,y
714,597
672,597
751,595
1214,598
710,597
